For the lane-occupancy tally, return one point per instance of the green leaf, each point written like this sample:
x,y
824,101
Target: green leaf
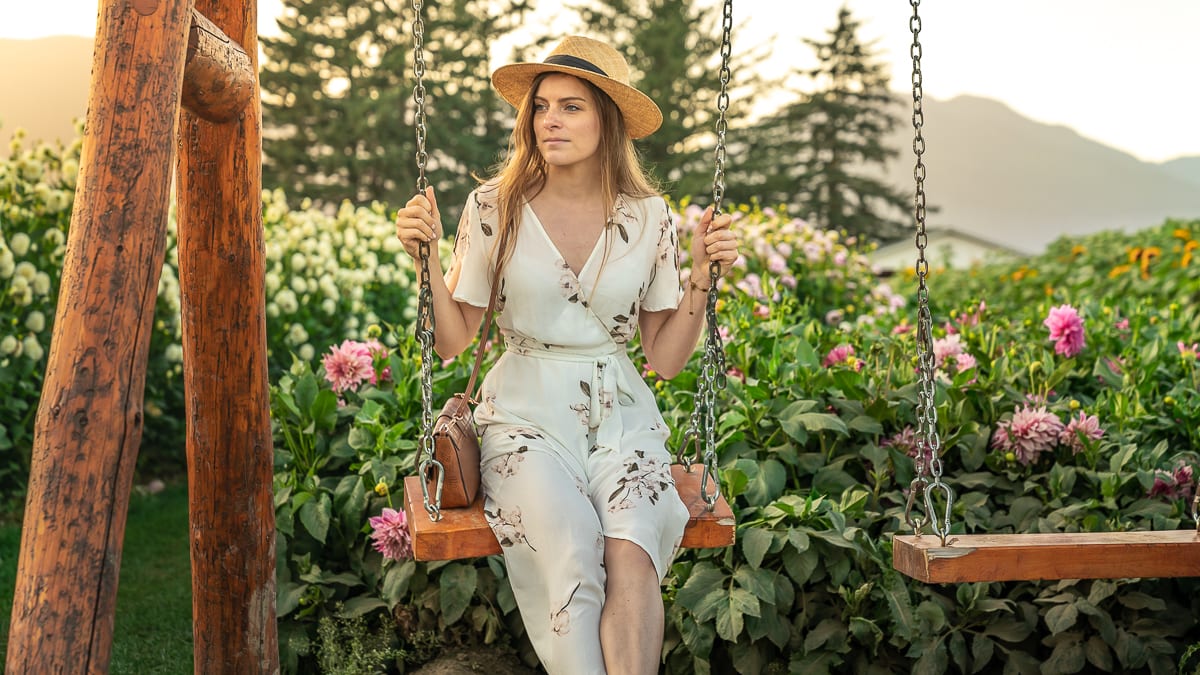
x,y
865,424
289,402
1139,600
932,615
305,393
1008,630
826,631
1061,617
798,539
798,424
704,592
768,484
800,565
457,585
1099,654
360,605
865,631
698,636
361,438
729,621
287,597
315,516
744,602
1101,590
760,582
395,582
896,593
324,410
1068,657
982,649
285,520
756,541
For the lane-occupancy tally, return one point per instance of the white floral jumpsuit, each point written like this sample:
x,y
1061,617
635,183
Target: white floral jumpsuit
x,y
574,447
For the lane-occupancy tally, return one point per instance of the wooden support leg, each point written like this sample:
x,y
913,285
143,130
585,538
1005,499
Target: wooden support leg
x,y
222,282
89,420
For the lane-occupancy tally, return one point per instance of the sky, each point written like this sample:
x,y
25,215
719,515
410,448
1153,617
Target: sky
x,y
1115,71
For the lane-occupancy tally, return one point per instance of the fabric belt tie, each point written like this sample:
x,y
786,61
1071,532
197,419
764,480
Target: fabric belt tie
x,y
608,389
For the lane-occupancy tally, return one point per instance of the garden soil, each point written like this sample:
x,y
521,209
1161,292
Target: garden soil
x,y
477,659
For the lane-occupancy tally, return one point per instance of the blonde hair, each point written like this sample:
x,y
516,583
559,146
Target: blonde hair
x,y
522,174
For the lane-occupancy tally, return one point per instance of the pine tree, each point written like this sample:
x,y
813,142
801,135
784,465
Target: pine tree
x,y
673,52
338,106
815,155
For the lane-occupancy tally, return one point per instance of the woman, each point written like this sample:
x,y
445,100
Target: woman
x,y
575,467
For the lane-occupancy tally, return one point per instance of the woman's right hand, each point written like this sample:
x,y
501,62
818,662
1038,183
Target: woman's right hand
x,y
419,221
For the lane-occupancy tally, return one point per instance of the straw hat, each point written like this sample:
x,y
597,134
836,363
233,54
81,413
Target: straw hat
x,y
589,60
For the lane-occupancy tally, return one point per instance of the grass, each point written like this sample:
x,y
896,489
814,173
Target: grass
x,y
153,624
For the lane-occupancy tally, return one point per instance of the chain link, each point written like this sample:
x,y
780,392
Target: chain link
x,y
702,428
427,465
928,461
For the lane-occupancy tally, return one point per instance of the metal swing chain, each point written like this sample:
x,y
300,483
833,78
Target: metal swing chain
x,y
703,424
928,461
425,319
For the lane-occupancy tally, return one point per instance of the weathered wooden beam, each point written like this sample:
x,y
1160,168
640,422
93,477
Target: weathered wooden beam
x,y
222,270
1070,555
89,418
464,533
219,79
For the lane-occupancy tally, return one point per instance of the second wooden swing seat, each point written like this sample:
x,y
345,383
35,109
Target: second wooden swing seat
x,y
1057,555
955,558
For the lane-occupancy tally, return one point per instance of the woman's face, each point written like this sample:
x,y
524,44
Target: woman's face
x,y
566,121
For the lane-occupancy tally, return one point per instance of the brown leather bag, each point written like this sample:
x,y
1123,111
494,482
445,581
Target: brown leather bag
x,y
455,438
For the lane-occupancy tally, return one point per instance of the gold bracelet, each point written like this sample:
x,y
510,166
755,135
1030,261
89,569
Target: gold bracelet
x,y
692,305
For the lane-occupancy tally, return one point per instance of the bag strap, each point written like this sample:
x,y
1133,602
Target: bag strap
x,y
484,331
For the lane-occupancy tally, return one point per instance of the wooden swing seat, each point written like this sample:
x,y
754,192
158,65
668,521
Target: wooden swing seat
x,y
1067,555
464,533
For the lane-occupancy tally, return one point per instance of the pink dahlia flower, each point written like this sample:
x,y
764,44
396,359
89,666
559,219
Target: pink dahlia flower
x,y
841,353
1029,433
1066,329
391,536
1079,428
347,366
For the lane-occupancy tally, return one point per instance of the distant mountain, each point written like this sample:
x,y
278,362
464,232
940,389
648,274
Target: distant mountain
x,y
1005,178
1187,168
992,173
45,84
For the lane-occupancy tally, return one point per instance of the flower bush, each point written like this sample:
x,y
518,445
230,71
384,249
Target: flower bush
x,y
1067,393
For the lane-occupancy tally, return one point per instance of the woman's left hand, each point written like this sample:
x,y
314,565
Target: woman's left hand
x,y
713,241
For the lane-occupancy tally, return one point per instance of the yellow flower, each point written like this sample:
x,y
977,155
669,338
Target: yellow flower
x,y
1077,250
1073,405
1182,233
1135,252
1169,400
1118,271
1187,253
1148,254
381,489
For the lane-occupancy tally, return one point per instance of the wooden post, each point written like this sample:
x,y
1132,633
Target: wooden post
x,y
219,79
222,282
89,420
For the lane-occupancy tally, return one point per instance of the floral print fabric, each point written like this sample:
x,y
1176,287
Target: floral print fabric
x,y
574,447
